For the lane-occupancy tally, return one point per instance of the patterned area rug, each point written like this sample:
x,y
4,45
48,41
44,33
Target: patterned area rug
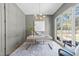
x,y
39,49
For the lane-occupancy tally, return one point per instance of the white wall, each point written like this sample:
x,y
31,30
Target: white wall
x,y
15,27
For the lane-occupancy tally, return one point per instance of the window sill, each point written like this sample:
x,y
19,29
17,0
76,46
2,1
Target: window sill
x,y
60,43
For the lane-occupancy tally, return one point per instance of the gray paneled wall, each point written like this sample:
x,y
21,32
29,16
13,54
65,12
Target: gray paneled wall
x,y
29,22
2,29
15,27
48,24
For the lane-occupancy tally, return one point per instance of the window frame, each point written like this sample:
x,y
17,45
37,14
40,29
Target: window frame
x,y
73,25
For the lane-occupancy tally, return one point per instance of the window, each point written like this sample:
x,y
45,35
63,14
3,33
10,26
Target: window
x,y
77,23
58,27
77,29
67,25
64,27
39,25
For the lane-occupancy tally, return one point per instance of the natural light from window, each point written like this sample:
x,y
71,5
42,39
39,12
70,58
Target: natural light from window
x,y
39,25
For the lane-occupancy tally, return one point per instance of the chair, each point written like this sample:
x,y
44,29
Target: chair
x,y
66,51
63,52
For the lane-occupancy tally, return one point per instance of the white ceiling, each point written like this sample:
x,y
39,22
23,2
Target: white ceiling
x,y
33,8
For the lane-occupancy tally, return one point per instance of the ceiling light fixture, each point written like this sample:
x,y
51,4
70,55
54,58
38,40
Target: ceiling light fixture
x,y
40,15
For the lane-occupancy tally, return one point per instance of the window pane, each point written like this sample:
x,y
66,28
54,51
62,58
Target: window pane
x,y
77,23
67,26
77,28
39,25
58,23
